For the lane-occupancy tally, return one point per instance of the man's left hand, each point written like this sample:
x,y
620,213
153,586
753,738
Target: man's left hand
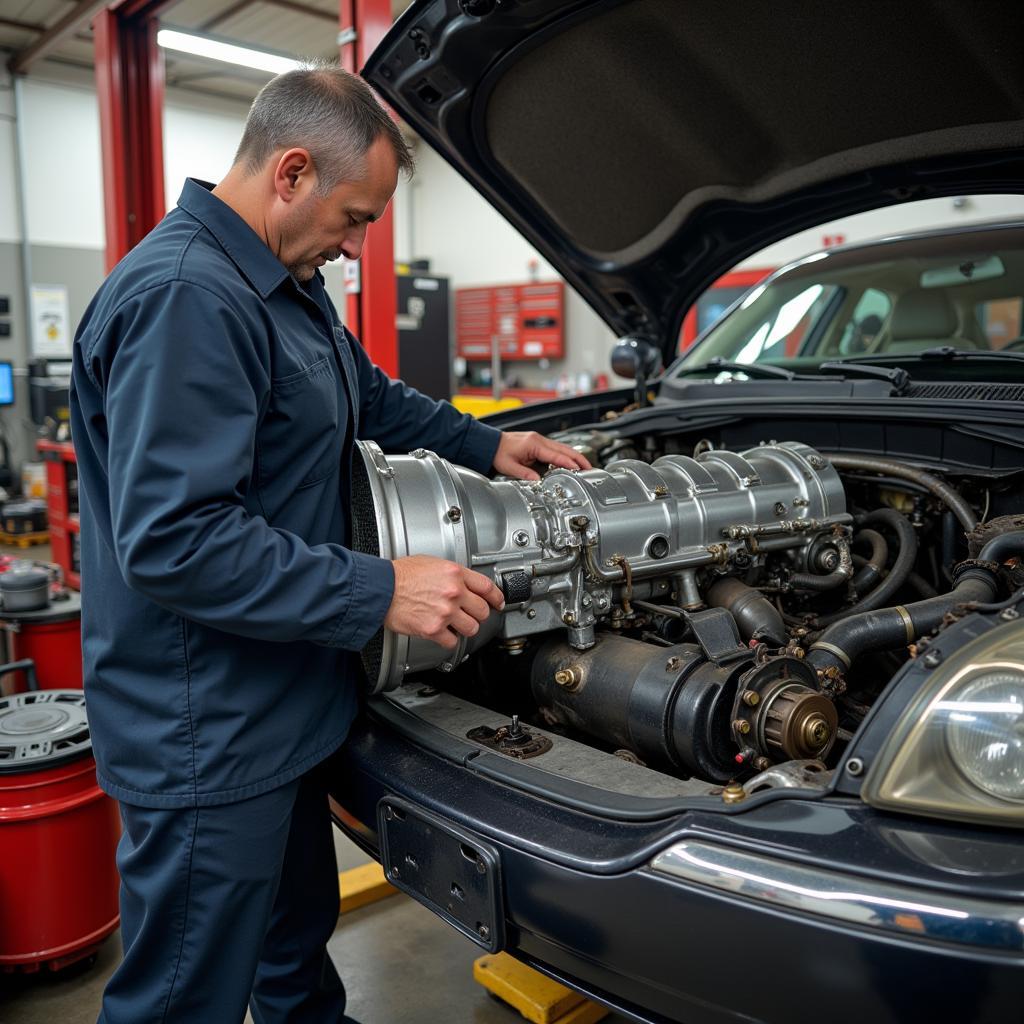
x,y
518,451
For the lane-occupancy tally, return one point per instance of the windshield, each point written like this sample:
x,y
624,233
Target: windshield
x,y
963,289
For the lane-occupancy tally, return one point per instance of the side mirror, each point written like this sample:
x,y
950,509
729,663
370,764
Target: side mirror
x,y
638,359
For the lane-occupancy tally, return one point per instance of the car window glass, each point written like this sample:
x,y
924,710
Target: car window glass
x,y
1000,320
714,302
866,320
781,333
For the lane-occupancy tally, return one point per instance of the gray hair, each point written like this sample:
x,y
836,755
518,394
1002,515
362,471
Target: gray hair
x,y
326,110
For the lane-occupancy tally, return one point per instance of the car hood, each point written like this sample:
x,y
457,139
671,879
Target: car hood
x,y
644,147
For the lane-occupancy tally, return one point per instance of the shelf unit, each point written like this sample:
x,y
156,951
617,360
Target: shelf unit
x,y
62,506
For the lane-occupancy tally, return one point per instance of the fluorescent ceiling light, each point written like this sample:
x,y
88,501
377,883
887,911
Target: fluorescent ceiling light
x,y
229,53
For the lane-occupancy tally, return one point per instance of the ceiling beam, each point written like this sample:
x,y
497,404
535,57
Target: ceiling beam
x,y
288,5
225,15
22,26
312,12
64,26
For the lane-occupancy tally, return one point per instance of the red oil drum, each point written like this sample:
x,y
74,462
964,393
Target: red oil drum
x,y
52,638
58,835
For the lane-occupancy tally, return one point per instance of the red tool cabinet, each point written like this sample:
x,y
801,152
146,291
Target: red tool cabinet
x,y
527,319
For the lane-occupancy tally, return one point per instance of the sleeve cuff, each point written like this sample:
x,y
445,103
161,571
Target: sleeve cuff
x,y
479,447
371,591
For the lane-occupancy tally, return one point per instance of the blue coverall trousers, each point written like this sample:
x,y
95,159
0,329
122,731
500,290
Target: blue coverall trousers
x,y
227,905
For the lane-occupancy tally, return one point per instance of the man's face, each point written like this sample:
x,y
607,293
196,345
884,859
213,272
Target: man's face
x,y
314,229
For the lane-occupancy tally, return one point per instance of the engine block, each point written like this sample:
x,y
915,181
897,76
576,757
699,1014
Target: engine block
x,y
573,550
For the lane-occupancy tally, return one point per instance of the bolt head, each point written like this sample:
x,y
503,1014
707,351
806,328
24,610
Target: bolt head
x,y
751,698
854,766
733,793
742,726
762,763
932,659
454,513
531,613
816,732
520,538
1009,614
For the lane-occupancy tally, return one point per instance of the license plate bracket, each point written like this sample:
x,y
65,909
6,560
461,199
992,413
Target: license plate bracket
x,y
449,870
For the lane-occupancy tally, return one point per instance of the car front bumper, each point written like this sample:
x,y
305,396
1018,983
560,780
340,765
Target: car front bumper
x,y
791,914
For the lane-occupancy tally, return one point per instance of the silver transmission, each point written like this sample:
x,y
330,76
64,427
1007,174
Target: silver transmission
x,y
572,550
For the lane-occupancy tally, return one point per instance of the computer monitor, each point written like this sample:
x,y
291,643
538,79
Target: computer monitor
x,y
6,384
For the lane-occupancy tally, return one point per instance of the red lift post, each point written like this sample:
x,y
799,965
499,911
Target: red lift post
x,y
371,311
130,91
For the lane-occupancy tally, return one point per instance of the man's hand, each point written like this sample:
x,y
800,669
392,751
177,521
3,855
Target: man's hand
x,y
439,600
518,450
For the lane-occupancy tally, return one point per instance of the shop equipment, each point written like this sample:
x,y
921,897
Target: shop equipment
x,y
58,834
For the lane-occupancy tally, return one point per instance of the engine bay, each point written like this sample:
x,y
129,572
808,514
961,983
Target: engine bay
x,y
716,615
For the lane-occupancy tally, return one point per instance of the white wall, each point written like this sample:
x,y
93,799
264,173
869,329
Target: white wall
x,y
63,188
8,197
199,142
917,216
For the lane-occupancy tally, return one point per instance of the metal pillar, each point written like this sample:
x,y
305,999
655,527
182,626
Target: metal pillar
x,y
371,310
130,91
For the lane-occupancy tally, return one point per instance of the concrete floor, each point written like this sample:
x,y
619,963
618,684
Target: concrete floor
x,y
400,964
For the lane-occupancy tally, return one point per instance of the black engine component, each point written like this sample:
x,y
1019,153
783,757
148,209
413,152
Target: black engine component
x,y
668,705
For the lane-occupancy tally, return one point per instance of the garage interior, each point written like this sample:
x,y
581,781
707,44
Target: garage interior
x,y
105,109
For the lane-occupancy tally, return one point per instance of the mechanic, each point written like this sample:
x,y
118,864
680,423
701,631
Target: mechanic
x,y
215,401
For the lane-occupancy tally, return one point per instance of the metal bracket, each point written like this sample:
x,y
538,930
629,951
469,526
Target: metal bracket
x,y
715,631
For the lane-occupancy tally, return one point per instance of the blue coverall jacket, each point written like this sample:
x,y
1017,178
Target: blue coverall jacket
x,y
214,405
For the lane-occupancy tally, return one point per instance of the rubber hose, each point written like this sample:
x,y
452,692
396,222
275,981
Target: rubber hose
x,y
871,570
1006,545
957,505
918,583
755,615
906,556
921,585
842,643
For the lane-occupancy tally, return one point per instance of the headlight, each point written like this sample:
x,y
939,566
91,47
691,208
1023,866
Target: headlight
x,y
958,750
985,733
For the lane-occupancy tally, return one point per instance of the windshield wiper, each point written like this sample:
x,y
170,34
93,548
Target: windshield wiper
x,y
950,353
751,369
893,375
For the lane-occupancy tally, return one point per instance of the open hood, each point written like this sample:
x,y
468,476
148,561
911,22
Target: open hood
x,y
647,146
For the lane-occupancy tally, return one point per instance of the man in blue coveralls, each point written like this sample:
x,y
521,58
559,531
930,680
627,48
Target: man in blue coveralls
x,y
215,401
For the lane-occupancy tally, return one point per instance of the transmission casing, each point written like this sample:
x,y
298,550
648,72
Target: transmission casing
x,y
573,549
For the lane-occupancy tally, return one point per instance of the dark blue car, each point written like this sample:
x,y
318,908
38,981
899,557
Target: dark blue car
x,y
747,741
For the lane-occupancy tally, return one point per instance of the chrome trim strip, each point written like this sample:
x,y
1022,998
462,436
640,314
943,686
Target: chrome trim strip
x,y
900,909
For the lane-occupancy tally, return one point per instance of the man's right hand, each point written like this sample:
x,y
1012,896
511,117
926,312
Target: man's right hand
x,y
439,600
